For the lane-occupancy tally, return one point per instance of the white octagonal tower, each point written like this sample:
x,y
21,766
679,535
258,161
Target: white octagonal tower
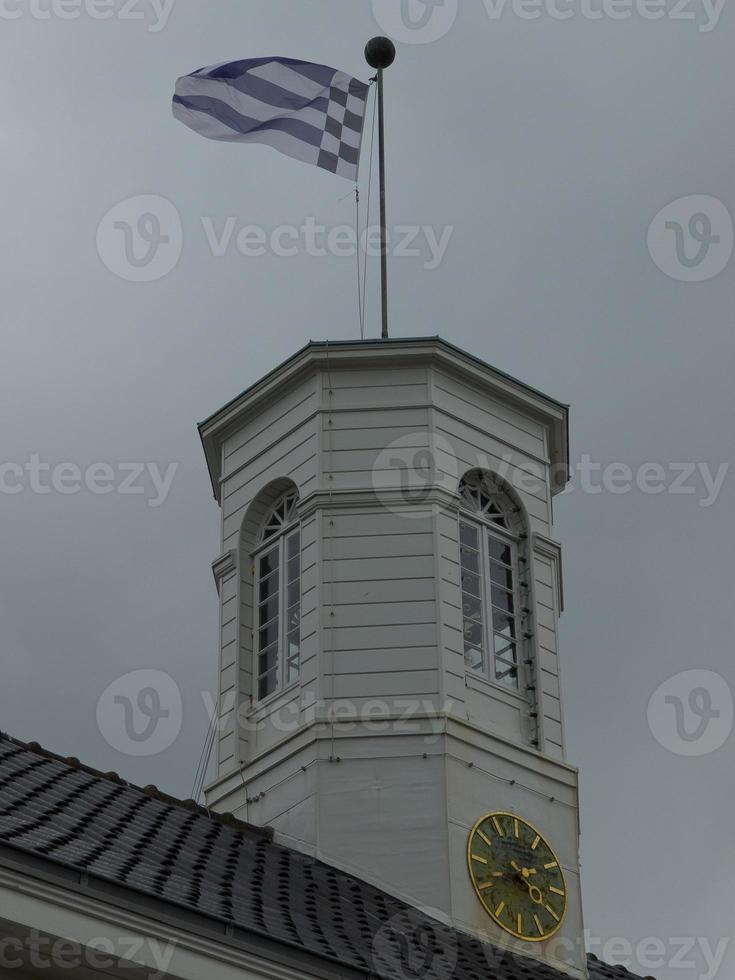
x,y
389,595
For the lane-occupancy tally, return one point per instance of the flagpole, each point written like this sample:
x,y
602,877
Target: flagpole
x,y
380,53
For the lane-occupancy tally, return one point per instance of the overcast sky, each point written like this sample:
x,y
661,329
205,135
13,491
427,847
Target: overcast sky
x,y
545,148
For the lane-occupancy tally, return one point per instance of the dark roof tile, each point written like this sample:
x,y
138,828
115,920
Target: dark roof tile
x,y
214,865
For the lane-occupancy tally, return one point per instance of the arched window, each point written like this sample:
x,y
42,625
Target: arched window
x,y
489,534
277,566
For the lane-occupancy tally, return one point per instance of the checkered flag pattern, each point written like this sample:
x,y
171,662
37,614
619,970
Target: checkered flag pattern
x,y
340,149
310,112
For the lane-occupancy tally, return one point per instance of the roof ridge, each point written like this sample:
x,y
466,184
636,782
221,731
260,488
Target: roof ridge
x,y
151,791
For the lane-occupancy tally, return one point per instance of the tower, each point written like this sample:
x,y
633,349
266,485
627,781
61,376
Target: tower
x,y
389,596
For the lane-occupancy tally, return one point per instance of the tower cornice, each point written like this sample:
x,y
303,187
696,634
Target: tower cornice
x,y
395,352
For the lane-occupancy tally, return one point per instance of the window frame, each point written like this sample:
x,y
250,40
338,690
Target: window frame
x,y
277,542
485,530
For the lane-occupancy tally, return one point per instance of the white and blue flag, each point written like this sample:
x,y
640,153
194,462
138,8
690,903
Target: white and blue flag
x,y
307,111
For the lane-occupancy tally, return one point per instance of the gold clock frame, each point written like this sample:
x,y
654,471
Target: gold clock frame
x,y
489,911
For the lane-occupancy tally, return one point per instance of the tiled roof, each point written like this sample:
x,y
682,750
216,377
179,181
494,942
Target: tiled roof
x,y
179,854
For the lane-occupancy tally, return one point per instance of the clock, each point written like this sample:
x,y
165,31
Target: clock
x,y
517,876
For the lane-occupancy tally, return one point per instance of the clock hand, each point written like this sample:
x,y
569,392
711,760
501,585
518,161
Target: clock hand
x,y
535,894
533,891
524,872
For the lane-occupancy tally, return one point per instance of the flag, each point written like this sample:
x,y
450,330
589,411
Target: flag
x,y
307,111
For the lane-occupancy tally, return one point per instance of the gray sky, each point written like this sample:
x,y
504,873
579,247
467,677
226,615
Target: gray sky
x,y
548,147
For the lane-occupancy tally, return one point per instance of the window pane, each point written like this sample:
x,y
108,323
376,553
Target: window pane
x,y
473,633
506,659
505,651
279,620
268,563
499,551
268,635
293,613
267,685
270,529
494,513
494,585
470,559
268,611
502,600
468,535
506,663
501,575
268,660
268,586
471,608
472,657
506,673
504,648
293,656
293,545
472,624
504,625
471,583
293,619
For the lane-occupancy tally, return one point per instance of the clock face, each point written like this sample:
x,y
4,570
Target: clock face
x,y
517,876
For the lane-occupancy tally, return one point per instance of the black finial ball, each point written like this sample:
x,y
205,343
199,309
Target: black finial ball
x,y
380,52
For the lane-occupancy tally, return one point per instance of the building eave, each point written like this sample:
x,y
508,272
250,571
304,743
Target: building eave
x,y
112,906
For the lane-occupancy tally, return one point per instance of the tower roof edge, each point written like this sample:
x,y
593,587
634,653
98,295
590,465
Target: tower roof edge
x,y
377,352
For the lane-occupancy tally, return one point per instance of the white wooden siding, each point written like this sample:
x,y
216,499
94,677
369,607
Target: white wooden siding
x,y
296,459
547,614
381,605
281,441
274,423
459,397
